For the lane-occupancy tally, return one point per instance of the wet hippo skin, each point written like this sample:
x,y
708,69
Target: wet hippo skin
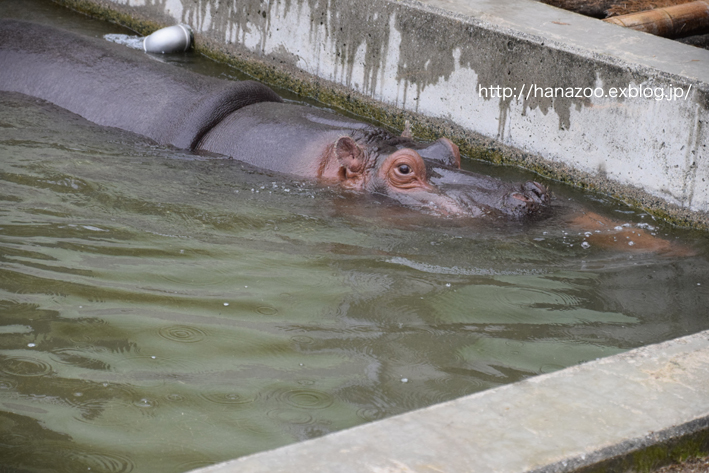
x,y
115,86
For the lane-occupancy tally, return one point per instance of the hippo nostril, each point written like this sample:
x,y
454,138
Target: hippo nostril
x,y
537,190
522,197
525,202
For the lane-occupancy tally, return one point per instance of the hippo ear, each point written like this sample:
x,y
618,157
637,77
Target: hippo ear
x,y
350,156
443,151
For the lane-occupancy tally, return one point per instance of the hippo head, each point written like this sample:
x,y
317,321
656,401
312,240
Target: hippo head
x,y
428,176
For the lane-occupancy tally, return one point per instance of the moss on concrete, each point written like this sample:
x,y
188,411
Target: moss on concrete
x,y
653,457
105,12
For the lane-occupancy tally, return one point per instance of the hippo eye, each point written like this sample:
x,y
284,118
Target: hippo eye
x,y
405,170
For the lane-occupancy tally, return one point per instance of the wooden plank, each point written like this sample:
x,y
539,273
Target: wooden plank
x,y
670,22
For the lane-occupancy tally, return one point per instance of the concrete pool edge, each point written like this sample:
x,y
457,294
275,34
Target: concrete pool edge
x,y
658,165
630,412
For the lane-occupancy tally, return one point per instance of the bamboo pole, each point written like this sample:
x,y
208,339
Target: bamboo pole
x,y
670,22
624,7
594,8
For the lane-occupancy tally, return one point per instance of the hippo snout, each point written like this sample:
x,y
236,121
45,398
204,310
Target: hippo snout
x,y
530,198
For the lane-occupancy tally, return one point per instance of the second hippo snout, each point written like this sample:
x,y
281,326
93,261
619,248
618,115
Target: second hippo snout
x,y
530,198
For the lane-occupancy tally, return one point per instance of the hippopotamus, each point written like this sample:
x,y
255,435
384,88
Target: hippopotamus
x,y
115,86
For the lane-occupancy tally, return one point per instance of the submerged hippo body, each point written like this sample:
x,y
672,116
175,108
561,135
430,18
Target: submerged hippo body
x,y
114,86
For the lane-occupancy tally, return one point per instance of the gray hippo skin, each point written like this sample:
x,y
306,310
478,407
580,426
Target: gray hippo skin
x,y
114,86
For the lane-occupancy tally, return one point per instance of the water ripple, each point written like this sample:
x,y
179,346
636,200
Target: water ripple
x,y
267,310
25,366
290,416
105,405
194,465
145,403
165,365
196,276
98,462
305,398
182,333
7,384
303,339
371,413
227,397
79,357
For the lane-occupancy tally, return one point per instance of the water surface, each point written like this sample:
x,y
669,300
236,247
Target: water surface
x,y
161,311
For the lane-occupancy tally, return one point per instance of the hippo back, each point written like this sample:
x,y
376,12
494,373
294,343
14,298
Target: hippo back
x,y
115,86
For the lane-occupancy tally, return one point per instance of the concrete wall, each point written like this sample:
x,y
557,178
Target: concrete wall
x,y
453,63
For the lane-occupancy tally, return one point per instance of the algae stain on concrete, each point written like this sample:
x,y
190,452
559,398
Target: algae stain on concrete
x,y
507,63
696,176
356,40
510,66
274,27
356,47
236,22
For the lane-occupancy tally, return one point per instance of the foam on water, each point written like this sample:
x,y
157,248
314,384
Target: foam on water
x,y
132,41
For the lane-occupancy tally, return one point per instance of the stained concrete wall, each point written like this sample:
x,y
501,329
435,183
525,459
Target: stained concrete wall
x,y
450,63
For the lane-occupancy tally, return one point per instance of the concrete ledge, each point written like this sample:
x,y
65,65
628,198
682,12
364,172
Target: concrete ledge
x,y
447,65
629,412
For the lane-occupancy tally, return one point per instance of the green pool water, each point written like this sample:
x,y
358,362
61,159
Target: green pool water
x,y
161,311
